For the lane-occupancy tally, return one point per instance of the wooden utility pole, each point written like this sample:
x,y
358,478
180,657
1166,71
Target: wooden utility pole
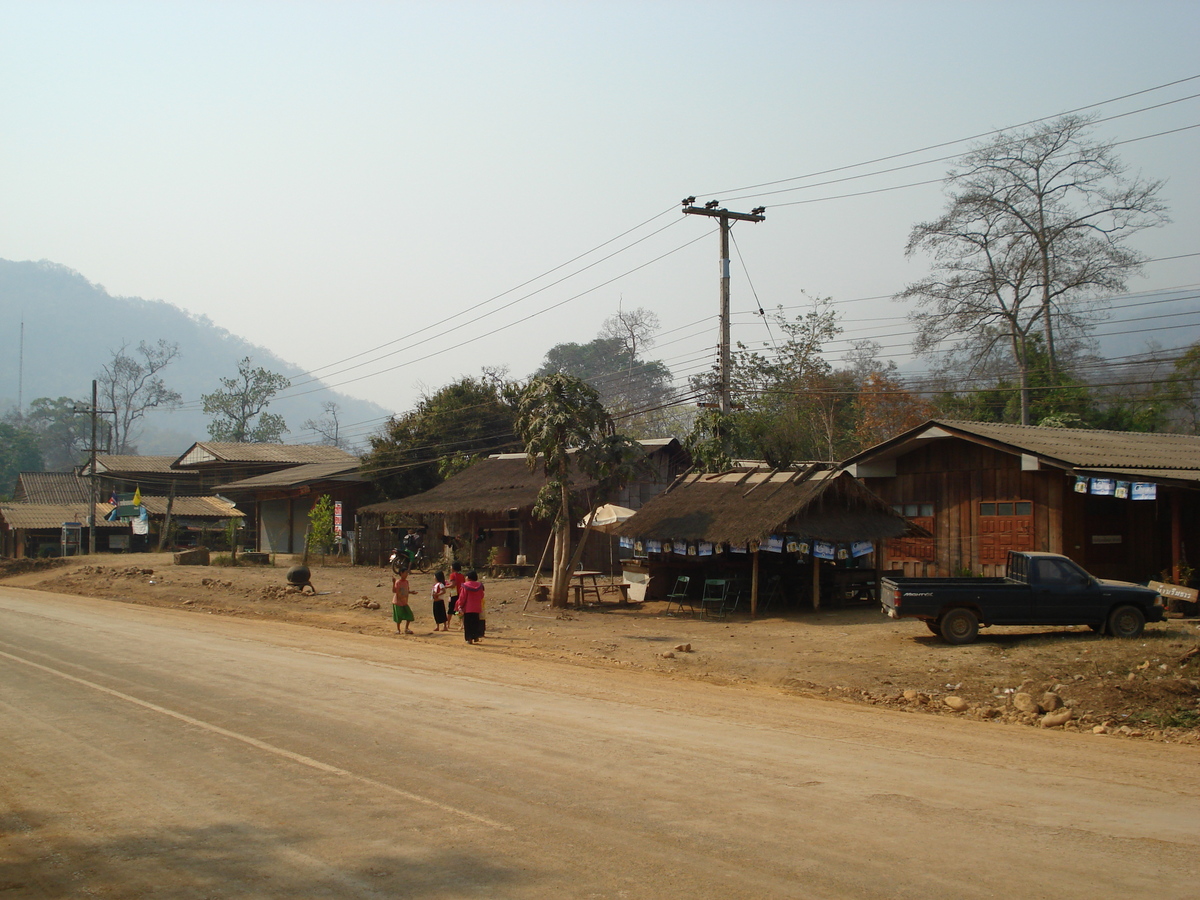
x,y
724,217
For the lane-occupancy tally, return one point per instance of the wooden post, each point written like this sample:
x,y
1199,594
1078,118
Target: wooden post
x,y
1176,536
754,587
816,583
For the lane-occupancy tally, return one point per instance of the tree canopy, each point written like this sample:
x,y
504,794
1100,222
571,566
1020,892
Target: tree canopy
x,y
446,431
129,385
239,408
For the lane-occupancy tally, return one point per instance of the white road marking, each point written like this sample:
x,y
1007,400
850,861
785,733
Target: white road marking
x,y
263,745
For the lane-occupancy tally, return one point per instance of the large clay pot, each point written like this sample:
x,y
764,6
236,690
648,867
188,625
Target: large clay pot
x,y
298,575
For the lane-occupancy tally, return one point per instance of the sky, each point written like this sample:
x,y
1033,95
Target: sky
x,y
395,194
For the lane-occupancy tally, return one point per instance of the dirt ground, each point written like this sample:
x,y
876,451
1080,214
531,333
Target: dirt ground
x,y
1067,678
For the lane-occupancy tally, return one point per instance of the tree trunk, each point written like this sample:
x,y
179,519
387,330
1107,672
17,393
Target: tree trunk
x,y
562,550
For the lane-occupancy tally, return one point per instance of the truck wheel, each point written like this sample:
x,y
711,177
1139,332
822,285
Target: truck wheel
x,y
1126,622
959,626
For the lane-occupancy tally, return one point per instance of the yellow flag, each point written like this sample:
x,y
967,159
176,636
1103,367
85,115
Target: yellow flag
x,y
137,496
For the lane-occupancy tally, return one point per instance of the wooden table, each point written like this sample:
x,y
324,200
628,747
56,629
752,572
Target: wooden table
x,y
580,586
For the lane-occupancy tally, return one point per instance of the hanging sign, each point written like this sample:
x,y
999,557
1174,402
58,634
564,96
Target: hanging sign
x,y
774,544
1145,491
737,548
861,548
824,550
1103,487
654,546
1122,491
706,549
337,519
1081,485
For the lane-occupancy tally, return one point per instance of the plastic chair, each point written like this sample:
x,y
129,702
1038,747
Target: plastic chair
x,y
679,594
712,599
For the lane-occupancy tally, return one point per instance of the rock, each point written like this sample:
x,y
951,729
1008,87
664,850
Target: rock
x,y
1025,703
958,704
197,557
1051,701
911,695
1055,719
684,648
1099,729
988,712
667,654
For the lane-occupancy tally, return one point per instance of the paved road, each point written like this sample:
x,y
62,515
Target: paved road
x,y
153,753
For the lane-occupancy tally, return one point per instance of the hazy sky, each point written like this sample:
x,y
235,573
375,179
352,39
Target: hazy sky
x,y
367,185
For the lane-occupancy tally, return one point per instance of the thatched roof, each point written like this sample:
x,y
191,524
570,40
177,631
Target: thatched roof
x,y
750,503
490,486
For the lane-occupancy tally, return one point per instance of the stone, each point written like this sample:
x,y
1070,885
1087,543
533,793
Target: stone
x,y
1023,702
667,654
958,704
684,648
910,695
1055,719
1051,701
197,557
1099,729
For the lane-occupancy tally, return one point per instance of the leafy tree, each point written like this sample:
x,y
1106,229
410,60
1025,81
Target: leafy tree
x,y
1036,226
18,453
564,427
241,402
634,390
63,433
446,432
320,525
1178,398
129,387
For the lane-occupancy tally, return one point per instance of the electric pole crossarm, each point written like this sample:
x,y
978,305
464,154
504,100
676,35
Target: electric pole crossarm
x,y
723,214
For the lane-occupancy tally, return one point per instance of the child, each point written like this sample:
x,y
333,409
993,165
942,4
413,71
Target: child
x,y
401,611
440,621
456,582
470,604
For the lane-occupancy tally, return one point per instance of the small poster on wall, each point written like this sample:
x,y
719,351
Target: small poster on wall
x,y
774,544
1081,485
1103,487
861,548
706,549
1144,491
1122,491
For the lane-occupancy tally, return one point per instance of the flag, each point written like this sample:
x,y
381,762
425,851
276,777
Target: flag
x,y
137,496
113,499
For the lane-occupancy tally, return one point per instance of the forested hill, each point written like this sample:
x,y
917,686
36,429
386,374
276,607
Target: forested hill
x,y
72,328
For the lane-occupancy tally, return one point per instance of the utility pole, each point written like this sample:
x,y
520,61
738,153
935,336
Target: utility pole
x,y
724,217
93,411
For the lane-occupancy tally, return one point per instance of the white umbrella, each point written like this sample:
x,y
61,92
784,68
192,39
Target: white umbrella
x,y
606,518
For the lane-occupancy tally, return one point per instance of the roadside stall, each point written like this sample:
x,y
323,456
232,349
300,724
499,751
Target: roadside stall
x,y
755,537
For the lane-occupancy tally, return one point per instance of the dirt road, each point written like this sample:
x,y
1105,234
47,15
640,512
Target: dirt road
x,y
153,752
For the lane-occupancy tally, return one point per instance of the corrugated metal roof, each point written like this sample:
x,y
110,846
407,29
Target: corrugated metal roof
x,y
204,452
52,487
52,515
111,464
1090,448
295,476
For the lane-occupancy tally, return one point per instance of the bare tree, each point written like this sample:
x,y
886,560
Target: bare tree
x,y
129,387
328,426
1034,232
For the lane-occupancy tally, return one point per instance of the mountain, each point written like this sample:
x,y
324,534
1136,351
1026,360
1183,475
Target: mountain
x,y
72,327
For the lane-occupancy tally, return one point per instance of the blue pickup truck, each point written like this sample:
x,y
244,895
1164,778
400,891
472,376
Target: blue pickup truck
x,y
1039,589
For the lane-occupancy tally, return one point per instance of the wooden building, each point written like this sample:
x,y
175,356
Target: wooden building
x,y
487,510
807,532
281,500
1123,505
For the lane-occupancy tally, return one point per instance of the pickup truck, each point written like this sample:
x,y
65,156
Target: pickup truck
x,y
1040,589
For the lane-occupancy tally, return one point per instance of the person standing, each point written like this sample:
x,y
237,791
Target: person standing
x,y
470,603
440,620
456,582
401,611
